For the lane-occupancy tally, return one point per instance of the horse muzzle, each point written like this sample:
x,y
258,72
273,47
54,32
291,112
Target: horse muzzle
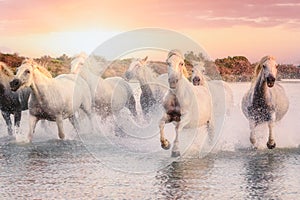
x,y
270,81
127,76
15,84
173,83
196,80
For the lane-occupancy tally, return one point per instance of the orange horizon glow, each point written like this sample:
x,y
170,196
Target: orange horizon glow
x,y
223,28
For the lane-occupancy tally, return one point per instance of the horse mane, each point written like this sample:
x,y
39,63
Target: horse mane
x,y
78,59
6,70
258,67
176,52
38,66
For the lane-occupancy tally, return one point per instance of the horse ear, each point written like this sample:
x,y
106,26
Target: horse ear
x,y
145,59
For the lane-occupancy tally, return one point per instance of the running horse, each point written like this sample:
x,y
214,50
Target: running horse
x,y
219,88
52,99
266,101
109,95
11,103
185,105
153,87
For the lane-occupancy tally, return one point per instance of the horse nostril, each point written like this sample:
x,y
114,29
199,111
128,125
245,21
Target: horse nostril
x,y
271,79
15,83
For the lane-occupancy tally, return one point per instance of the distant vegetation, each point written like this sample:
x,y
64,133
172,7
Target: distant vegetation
x,y
237,68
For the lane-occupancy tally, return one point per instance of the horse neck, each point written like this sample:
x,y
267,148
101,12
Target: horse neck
x,y
146,77
182,88
260,88
204,80
38,85
85,73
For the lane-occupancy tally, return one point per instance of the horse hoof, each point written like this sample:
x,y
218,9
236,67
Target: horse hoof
x,y
175,154
271,146
165,145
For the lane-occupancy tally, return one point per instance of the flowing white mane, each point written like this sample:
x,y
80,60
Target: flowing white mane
x,y
84,62
6,74
37,66
78,62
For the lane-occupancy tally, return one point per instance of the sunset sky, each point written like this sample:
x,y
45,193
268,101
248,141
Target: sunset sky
x,y
224,28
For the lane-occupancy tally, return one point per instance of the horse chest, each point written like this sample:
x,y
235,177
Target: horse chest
x,y
9,102
172,108
260,110
45,110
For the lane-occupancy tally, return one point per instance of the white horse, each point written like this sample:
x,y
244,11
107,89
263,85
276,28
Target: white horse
x,y
109,95
266,100
185,104
52,99
153,87
217,87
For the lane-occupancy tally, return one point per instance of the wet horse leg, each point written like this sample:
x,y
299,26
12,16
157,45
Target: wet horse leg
x,y
32,124
60,127
271,142
179,126
175,149
17,120
165,144
74,122
252,133
6,116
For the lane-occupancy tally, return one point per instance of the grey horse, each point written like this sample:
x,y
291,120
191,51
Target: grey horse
x,y
266,101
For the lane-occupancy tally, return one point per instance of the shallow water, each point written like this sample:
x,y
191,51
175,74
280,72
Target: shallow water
x,y
104,166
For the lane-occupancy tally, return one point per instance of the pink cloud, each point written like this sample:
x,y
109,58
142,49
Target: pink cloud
x,y
53,15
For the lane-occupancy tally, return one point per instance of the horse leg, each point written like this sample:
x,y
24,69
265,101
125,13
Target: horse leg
x,y
17,119
271,142
165,144
184,120
131,105
252,133
6,116
32,124
87,109
211,131
175,149
74,123
60,127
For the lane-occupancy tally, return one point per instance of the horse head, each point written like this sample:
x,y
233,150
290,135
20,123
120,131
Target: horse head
x,y
24,75
176,68
268,67
198,73
78,62
134,68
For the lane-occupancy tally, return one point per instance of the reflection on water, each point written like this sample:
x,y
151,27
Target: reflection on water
x,y
57,169
263,179
177,180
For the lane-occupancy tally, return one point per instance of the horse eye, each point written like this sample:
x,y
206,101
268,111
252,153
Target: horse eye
x,y
192,71
27,71
264,66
